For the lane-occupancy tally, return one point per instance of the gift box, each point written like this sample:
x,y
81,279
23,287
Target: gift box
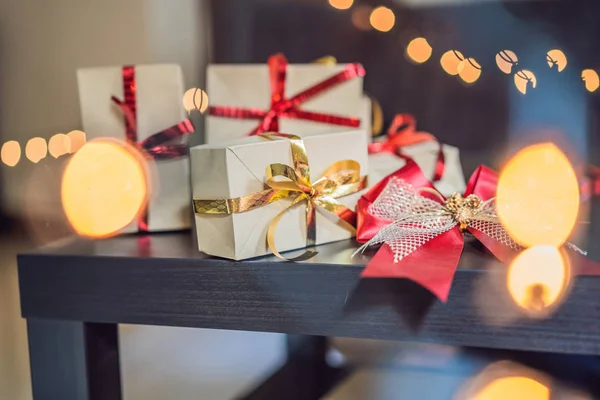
x,y
300,98
296,191
142,105
440,163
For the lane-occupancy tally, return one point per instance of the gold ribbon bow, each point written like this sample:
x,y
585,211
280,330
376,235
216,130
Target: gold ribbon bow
x,y
340,179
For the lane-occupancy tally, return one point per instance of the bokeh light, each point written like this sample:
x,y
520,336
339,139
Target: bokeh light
x,y
36,149
469,70
523,78
341,4
360,17
505,60
382,19
451,61
514,387
537,198
77,139
558,58
11,153
591,79
195,99
537,278
59,144
104,188
418,50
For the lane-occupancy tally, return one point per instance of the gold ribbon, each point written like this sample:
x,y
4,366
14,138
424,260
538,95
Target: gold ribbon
x,y
340,179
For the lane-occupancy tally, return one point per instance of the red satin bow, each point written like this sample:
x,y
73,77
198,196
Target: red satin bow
x,y
433,264
154,146
402,132
288,108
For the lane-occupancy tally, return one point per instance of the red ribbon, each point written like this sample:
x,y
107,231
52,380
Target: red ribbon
x,y
402,132
433,265
154,146
288,108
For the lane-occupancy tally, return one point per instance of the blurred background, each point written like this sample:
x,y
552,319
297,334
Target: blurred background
x,y
42,43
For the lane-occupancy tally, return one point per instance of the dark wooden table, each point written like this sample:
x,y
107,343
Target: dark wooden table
x,y
74,294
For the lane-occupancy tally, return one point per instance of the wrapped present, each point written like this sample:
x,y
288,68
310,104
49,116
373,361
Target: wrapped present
x,y
421,231
263,194
142,105
439,162
304,99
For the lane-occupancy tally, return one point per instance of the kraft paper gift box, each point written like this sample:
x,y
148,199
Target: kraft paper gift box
x,y
158,99
425,155
227,171
248,86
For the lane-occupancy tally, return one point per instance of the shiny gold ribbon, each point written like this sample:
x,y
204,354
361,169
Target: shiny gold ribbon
x,y
340,179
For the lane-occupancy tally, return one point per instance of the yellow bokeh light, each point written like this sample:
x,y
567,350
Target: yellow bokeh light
x,y
515,387
418,50
59,145
538,278
77,140
341,4
558,58
11,153
451,61
537,198
505,60
524,77
469,70
591,79
104,188
195,99
36,149
382,19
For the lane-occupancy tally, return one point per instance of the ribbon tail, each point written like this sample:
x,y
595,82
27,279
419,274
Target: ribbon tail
x,y
432,265
271,236
581,265
350,71
501,251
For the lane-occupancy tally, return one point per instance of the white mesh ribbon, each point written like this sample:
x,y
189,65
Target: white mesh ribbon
x,y
418,219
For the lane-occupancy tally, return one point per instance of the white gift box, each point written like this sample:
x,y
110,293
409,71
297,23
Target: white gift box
x,y
248,86
425,155
226,171
159,93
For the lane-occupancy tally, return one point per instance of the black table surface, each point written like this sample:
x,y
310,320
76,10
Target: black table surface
x,y
162,279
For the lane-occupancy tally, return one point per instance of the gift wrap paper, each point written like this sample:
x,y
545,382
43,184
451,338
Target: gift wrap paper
x,y
159,90
238,169
425,155
248,86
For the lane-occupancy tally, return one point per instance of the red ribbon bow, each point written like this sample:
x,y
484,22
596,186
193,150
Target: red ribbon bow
x,y
403,132
433,262
288,108
154,146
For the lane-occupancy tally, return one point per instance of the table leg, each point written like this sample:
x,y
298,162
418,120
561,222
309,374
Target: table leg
x,y
306,374
74,360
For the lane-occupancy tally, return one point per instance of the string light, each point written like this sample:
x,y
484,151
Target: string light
x,y
360,17
77,140
36,149
418,50
591,79
382,19
195,99
523,78
505,60
59,145
556,58
469,70
451,62
341,4
11,153
104,187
